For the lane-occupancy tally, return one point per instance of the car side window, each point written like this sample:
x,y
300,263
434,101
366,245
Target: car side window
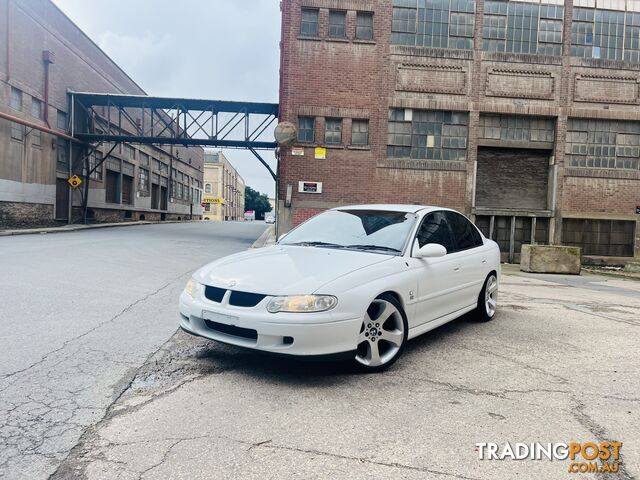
x,y
435,229
465,235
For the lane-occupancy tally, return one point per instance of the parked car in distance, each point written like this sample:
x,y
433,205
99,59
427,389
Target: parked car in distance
x,y
269,218
356,281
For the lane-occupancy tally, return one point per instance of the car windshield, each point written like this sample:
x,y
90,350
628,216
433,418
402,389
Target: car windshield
x,y
377,231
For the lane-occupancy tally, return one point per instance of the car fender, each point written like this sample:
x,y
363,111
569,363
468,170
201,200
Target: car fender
x,y
356,290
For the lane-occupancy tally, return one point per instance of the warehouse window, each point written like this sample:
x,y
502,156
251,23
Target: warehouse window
x,y
333,131
17,131
337,24
95,166
603,144
16,99
364,25
62,154
427,134
61,120
514,128
612,238
433,23
144,180
518,27
612,35
36,108
309,22
144,159
36,138
360,132
306,129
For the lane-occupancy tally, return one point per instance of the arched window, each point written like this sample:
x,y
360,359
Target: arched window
x,y
207,188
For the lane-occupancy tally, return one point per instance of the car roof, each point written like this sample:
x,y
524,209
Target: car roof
x,y
409,208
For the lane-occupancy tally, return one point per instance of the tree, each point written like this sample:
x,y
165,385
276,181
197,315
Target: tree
x,y
256,201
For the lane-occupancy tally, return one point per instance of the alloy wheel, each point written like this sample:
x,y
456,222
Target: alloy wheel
x,y
491,296
381,335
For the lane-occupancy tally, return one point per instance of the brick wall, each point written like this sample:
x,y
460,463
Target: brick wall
x,y
324,78
23,215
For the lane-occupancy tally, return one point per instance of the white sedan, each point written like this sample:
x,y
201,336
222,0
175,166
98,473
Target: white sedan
x,y
356,281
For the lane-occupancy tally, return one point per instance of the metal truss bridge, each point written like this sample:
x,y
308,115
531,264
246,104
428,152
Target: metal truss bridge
x,y
100,118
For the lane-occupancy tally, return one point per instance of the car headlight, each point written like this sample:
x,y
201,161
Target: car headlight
x,y
302,303
191,288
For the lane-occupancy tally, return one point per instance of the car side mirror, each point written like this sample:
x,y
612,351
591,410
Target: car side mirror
x,y
282,236
431,250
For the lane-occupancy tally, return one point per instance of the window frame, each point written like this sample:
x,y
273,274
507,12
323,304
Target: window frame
x,y
360,121
143,179
336,34
303,22
367,15
20,99
330,133
40,105
312,130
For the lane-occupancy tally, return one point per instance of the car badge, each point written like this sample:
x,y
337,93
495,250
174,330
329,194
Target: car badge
x,y
232,283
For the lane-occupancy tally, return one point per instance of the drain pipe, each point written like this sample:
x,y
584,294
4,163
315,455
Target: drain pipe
x,y
48,57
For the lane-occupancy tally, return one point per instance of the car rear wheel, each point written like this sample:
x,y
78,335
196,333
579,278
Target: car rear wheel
x,y
383,334
488,299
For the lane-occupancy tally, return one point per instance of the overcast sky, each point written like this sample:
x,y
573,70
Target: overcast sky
x,y
217,49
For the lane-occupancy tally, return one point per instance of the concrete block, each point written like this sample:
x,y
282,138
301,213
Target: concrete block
x,y
550,259
632,267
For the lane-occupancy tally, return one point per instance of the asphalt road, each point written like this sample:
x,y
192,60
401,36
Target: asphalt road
x,y
559,363
80,312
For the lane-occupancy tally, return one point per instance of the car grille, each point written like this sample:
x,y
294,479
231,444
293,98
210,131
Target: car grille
x,y
237,298
214,294
231,330
245,299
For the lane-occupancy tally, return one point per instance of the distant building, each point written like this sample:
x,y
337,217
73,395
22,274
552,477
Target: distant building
x,y
522,114
43,55
223,196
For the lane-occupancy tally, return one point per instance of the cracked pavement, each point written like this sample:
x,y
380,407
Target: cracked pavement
x,y
81,313
559,363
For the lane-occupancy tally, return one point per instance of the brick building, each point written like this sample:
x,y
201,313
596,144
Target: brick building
x,y
223,189
523,115
135,182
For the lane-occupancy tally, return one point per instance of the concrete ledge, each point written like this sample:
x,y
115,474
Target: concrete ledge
x,y
550,259
75,228
267,238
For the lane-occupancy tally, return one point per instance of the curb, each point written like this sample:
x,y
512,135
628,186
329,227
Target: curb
x,y
267,238
76,228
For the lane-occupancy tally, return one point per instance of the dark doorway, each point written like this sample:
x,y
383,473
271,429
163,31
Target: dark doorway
x,y
512,178
127,190
62,199
163,198
155,196
112,187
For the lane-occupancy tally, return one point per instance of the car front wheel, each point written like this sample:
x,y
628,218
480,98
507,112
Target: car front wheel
x,y
383,334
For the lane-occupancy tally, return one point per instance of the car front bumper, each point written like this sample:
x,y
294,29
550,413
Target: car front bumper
x,y
304,334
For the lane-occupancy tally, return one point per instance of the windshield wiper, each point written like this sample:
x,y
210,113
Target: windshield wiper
x,y
316,244
374,247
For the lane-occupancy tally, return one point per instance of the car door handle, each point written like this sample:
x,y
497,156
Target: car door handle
x,y
484,260
456,268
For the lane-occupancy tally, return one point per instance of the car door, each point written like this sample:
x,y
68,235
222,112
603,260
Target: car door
x,y
470,260
437,277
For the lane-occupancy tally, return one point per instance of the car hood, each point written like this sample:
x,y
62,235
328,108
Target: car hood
x,y
285,270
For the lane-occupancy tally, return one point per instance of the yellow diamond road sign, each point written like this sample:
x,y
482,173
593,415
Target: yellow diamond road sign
x,y
75,181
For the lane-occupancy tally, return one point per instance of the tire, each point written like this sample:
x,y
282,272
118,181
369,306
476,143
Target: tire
x,y
487,300
383,335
